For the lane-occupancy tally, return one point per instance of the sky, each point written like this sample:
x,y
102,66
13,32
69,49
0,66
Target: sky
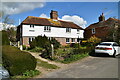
x,y
81,13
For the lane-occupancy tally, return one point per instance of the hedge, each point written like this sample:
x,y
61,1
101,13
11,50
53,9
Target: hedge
x,y
5,40
16,61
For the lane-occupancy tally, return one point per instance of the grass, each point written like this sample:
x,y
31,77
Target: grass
x,y
46,64
25,75
74,57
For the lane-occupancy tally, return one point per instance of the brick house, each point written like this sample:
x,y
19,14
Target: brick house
x,y
63,31
102,28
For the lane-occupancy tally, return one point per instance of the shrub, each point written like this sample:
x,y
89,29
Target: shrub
x,y
31,73
94,40
75,45
24,47
5,40
55,43
40,42
37,49
16,61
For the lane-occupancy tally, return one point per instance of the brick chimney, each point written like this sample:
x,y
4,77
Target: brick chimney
x,y
54,15
102,18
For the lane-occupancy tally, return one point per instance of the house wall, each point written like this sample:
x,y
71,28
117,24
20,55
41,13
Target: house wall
x,y
59,34
100,32
55,32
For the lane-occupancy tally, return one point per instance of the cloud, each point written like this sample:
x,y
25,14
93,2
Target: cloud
x,y
43,15
19,7
75,19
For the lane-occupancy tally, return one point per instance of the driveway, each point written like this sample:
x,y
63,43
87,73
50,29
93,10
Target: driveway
x,y
90,67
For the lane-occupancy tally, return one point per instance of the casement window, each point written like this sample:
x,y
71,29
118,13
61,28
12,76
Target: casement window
x,y
68,29
67,40
73,40
31,26
47,28
31,39
78,30
93,31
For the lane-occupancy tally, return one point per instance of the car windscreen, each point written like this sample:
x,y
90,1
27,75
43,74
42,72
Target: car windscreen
x,y
105,44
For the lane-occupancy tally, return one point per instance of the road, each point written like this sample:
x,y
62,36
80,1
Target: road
x,y
91,67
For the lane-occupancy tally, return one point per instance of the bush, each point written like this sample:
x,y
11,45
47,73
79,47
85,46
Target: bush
x,y
37,49
16,61
55,43
40,42
94,40
75,45
31,73
24,47
5,40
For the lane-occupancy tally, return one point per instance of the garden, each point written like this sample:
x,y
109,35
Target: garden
x,y
64,54
17,62
21,64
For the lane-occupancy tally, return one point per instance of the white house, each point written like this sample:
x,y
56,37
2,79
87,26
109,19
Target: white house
x,y
63,31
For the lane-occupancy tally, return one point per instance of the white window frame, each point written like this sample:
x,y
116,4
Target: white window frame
x,y
31,39
31,26
93,30
67,40
47,28
73,40
78,30
68,30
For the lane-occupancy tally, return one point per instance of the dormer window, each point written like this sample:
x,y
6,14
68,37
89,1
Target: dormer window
x,y
93,31
31,26
47,28
68,29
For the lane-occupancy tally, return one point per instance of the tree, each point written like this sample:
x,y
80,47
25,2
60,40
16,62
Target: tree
x,y
6,22
118,34
11,34
114,33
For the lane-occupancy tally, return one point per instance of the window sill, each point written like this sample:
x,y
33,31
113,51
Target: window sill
x,y
67,42
47,31
68,32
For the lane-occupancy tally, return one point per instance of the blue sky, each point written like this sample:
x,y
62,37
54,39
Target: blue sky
x,y
88,12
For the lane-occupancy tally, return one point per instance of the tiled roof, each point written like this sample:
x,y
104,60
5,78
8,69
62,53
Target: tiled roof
x,y
50,22
107,23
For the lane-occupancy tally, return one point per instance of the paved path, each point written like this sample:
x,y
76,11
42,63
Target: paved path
x,y
92,67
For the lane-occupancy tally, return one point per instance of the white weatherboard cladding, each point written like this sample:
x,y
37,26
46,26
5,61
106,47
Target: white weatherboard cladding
x,y
55,32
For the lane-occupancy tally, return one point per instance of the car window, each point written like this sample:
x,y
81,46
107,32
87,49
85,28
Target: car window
x,y
106,44
115,44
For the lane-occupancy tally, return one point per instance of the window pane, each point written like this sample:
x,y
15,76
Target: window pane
x,y
67,40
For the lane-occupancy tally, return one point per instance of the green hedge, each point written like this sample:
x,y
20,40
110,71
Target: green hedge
x,y
5,40
16,61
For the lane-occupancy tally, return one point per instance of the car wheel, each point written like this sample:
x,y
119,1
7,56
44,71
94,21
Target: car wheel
x,y
114,55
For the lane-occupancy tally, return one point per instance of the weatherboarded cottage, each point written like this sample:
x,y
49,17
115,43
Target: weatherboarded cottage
x,y
63,31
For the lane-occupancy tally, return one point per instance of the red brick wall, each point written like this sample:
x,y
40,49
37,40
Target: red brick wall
x,y
100,32
25,41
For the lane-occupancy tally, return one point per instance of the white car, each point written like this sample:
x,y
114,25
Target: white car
x,y
111,48
4,75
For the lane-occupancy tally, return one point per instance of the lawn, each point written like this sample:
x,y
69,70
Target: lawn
x,y
46,64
